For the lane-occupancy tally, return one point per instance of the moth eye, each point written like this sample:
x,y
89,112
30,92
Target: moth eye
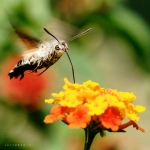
x,y
57,47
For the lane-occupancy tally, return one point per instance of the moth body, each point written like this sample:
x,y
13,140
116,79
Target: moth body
x,y
43,54
47,54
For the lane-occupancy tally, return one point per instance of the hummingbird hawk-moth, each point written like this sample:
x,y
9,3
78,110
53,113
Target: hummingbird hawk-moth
x,y
43,54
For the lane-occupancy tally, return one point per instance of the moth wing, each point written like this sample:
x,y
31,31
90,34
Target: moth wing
x,y
30,52
30,42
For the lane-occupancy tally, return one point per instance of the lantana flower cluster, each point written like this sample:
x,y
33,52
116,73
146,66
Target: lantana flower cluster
x,y
87,104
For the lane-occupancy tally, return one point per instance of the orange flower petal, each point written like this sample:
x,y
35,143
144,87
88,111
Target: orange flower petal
x,y
79,118
49,119
111,119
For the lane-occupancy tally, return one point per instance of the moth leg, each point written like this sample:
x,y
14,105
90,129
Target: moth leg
x,y
22,76
31,72
44,70
35,69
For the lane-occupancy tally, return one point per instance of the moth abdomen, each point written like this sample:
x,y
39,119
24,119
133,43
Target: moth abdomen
x,y
20,68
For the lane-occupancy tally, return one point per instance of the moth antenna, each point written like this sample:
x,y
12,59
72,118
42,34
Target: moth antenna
x,y
80,34
71,66
51,34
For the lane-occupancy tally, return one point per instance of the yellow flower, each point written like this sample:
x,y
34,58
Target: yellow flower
x,y
87,104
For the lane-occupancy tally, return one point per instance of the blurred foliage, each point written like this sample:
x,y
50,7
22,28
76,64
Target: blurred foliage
x,y
118,30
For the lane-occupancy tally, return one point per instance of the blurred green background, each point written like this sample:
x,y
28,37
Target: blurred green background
x,y
116,54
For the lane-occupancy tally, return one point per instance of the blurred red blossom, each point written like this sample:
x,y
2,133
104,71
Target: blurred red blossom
x,y
28,92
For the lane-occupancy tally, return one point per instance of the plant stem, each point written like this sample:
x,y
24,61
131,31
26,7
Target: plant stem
x,y
89,136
